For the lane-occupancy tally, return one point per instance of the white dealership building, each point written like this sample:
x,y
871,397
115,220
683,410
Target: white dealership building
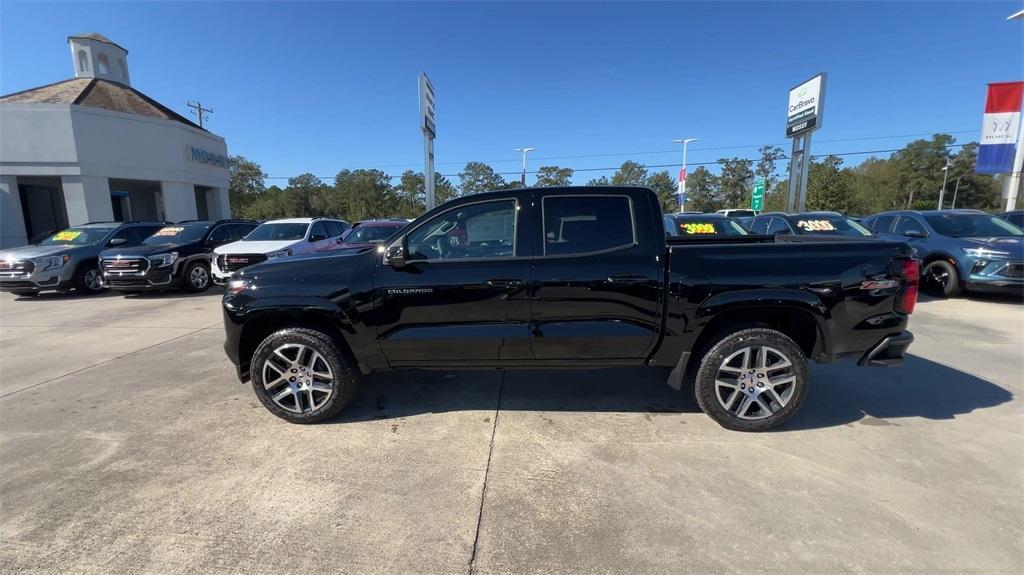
x,y
93,148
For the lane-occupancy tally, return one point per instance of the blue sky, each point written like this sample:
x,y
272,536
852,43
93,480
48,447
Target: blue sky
x,y
317,87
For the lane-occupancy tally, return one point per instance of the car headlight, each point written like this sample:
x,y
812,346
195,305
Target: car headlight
x,y
279,254
237,285
985,253
51,262
161,260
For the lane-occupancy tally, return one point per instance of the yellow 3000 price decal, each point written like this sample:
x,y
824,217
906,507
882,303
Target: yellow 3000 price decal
x,y
698,228
816,225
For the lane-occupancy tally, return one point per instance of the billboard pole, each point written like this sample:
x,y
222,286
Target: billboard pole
x,y
428,124
804,115
1013,182
794,175
805,164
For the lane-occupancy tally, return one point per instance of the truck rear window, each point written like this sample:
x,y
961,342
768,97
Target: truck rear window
x,y
586,224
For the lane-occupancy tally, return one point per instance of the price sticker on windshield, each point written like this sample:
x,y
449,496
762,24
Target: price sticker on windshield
x,y
695,228
816,225
66,235
169,231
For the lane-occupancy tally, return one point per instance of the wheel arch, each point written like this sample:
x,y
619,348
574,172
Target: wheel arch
x,y
261,325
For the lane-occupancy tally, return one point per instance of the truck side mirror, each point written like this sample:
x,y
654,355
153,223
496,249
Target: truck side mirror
x,y
395,254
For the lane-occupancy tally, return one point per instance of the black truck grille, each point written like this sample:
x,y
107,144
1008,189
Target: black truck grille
x,y
1012,271
235,262
133,265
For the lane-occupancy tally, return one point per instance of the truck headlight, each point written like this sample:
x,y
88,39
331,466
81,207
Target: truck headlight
x,y
985,253
51,262
279,254
236,285
162,260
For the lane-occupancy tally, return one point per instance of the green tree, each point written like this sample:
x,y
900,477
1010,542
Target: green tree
x,y
666,187
305,196
478,177
630,174
829,187
766,166
362,195
602,181
702,191
247,183
553,176
735,181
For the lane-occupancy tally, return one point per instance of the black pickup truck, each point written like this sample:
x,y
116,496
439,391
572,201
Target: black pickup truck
x,y
571,278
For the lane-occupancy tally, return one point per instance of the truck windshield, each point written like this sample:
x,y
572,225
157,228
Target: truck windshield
x,y
277,232
177,235
972,225
371,234
828,225
708,227
76,237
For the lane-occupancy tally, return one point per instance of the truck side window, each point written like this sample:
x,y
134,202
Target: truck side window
x,y
484,230
587,224
906,224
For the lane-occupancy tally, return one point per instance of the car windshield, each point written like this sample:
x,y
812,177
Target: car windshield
x,y
813,224
76,237
182,234
971,225
277,232
371,234
708,227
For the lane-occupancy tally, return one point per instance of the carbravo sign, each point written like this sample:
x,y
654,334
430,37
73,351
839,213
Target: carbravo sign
x,y
806,103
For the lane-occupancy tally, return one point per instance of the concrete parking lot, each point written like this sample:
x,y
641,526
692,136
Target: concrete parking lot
x,y
128,446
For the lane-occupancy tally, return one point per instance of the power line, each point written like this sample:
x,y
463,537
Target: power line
x,y
655,166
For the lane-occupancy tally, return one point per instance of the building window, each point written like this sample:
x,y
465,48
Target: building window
x,y
83,61
124,69
102,64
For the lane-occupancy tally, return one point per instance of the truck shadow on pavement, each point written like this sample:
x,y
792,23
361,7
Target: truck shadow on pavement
x,y
840,394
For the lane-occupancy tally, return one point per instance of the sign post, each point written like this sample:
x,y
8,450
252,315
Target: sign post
x,y
803,116
757,196
428,124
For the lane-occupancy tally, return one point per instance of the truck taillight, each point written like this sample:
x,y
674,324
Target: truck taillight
x,y
910,272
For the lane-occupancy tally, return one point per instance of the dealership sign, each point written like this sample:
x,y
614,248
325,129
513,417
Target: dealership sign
x,y
806,104
204,157
999,128
428,121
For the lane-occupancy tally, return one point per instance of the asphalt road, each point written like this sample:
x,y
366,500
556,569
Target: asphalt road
x,y
127,446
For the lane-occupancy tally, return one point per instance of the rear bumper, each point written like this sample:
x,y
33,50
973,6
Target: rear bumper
x,y
888,352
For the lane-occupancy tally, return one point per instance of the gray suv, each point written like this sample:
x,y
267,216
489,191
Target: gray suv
x,y
68,259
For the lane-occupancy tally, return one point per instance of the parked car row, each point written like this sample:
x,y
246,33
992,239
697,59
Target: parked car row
x,y
187,255
959,249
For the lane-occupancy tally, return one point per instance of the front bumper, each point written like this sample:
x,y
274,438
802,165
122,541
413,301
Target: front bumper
x,y
888,352
997,276
22,275
142,276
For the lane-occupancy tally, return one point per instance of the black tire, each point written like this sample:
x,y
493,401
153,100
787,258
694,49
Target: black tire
x,y
343,378
88,280
773,344
940,278
196,277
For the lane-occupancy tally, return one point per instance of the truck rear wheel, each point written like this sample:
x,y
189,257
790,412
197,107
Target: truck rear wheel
x,y
752,379
301,376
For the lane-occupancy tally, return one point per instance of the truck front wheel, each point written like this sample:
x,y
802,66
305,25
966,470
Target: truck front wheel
x,y
752,379
300,376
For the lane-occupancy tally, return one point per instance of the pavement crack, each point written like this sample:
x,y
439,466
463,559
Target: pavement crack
x,y
487,472
80,370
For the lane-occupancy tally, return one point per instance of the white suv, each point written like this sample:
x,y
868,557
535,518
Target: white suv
x,y
274,239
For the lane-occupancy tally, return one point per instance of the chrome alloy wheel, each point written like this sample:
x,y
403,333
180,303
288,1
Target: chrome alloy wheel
x,y
755,382
199,277
298,378
92,280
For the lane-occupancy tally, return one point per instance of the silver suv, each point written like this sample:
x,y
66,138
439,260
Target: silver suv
x,y
68,259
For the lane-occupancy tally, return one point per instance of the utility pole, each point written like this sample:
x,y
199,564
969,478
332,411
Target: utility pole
x,y
199,111
945,176
683,174
524,151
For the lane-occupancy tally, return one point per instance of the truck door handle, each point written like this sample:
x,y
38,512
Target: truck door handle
x,y
504,283
626,279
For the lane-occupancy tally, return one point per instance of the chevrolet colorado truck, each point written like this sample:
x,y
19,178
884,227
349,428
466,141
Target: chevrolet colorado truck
x,y
579,277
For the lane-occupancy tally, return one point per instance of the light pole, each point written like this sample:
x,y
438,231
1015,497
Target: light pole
x,y
956,188
945,175
682,182
524,151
